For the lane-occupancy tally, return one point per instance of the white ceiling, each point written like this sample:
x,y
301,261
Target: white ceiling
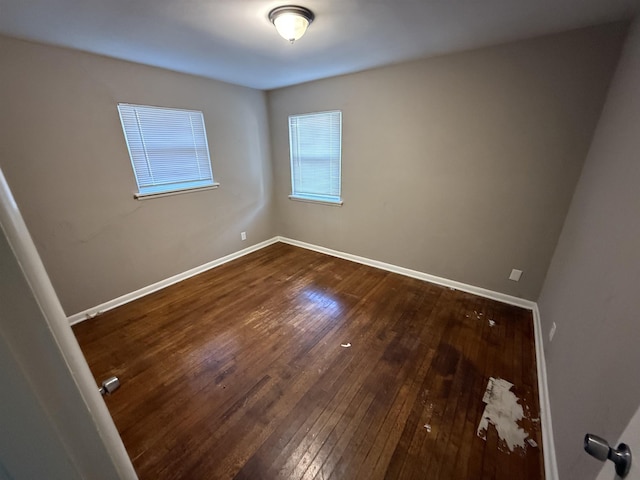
x,y
232,40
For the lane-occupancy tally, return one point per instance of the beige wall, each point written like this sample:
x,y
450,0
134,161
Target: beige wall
x,y
591,290
65,158
460,166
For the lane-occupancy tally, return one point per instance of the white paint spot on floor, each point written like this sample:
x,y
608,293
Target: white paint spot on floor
x,y
427,427
492,323
345,345
502,411
532,442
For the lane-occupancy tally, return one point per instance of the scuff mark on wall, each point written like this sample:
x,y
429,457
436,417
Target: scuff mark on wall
x,y
502,411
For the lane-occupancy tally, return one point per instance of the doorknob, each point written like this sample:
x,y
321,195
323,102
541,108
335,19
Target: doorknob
x,y
599,448
109,386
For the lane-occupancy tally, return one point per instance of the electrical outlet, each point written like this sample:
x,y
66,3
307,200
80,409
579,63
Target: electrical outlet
x,y
515,275
552,331
243,236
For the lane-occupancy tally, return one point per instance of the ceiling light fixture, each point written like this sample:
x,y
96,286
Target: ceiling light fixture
x,y
291,21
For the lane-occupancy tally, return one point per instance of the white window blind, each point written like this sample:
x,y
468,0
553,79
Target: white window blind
x,y
168,148
315,142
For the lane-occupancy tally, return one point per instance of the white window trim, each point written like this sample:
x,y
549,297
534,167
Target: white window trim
x,y
149,196
322,201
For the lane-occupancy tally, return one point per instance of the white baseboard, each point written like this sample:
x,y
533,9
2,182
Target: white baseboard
x,y
551,469
129,297
481,292
548,445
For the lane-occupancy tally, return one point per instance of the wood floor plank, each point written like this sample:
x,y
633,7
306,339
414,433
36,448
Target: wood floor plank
x,y
239,373
432,445
456,447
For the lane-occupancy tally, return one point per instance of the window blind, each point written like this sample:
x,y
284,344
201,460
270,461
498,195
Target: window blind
x,y
168,148
315,142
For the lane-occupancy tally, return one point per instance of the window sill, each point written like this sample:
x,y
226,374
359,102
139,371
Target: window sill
x,y
149,196
321,201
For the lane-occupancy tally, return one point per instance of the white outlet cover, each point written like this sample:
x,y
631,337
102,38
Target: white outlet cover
x,y
515,275
243,236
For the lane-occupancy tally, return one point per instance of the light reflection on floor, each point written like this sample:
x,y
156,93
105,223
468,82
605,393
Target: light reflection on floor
x,y
323,301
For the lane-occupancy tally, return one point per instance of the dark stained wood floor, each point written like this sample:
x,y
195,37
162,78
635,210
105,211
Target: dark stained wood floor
x,y
240,373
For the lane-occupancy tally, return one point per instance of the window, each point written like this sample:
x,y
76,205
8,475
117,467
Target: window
x,y
315,143
168,149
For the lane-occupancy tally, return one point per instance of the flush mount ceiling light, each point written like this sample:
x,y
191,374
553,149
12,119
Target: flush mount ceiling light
x,y
291,21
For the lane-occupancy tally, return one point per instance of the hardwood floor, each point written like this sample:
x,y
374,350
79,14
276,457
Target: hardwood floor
x,y
240,373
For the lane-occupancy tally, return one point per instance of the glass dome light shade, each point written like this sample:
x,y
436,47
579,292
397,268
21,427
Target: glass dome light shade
x,y
291,26
291,21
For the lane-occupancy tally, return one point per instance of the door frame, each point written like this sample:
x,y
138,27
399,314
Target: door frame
x,y
62,339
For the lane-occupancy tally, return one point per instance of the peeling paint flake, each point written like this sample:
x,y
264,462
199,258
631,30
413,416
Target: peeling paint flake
x,y
503,411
